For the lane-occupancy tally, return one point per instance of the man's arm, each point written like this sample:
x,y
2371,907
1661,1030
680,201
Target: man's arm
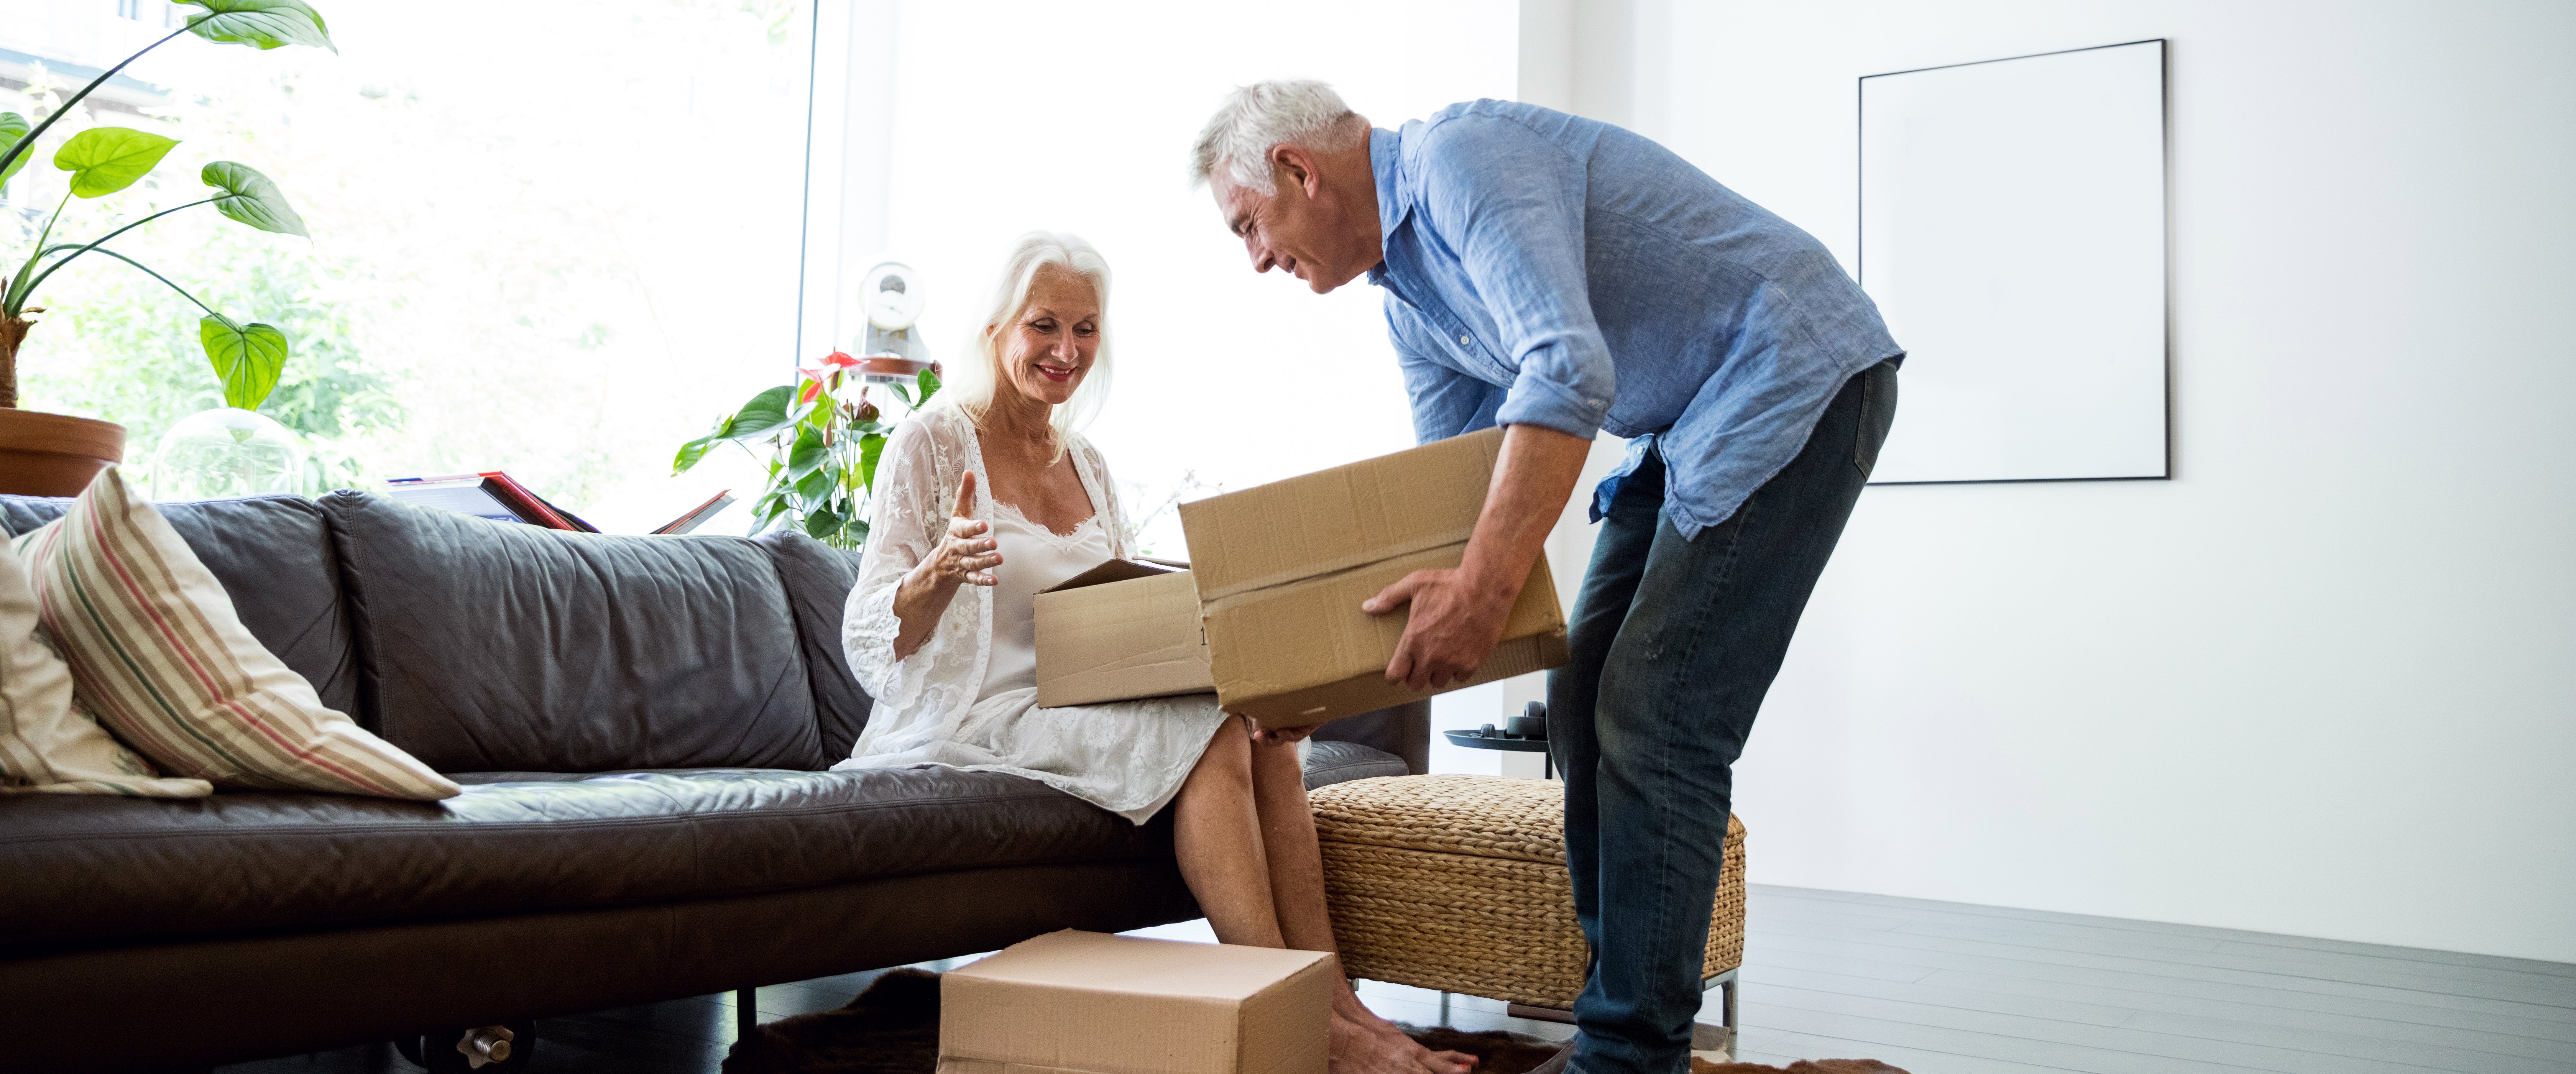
x,y
1458,614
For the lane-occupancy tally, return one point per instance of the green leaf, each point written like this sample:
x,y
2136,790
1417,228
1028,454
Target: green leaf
x,y
929,382
265,23
766,511
251,198
815,489
870,447
12,128
690,453
247,359
104,160
766,413
809,452
821,524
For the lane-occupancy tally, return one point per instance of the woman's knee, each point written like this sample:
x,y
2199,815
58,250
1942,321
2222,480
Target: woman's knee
x,y
1228,756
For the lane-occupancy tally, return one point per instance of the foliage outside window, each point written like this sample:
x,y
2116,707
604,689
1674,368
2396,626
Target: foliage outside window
x,y
500,274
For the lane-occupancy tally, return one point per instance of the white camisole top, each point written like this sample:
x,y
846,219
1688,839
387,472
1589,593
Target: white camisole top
x,y
1033,558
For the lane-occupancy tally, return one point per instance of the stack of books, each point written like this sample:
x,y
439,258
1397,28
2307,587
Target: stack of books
x,y
495,496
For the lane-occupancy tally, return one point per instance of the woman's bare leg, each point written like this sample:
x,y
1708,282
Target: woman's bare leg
x,y
1296,862
1217,836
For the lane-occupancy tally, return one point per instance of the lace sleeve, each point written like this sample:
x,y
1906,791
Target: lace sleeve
x,y
907,513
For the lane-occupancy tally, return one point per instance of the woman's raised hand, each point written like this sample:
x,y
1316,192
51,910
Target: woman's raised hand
x,y
966,554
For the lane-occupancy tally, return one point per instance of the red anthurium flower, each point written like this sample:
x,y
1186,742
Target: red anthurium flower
x,y
812,389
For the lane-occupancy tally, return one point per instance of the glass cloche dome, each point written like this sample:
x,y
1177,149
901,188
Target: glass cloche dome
x,y
227,451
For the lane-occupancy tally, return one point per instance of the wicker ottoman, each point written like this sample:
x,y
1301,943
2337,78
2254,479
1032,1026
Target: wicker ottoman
x,y
1458,883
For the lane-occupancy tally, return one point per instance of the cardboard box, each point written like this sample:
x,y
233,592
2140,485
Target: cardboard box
x,y
1281,570
1124,629
1088,1003
1269,614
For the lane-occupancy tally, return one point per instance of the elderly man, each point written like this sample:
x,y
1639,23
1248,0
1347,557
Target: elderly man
x,y
1559,277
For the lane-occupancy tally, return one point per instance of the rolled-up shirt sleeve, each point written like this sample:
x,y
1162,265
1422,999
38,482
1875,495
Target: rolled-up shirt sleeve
x,y
1514,201
1446,402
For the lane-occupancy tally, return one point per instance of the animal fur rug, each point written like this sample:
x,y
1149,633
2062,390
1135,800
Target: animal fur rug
x,y
893,1028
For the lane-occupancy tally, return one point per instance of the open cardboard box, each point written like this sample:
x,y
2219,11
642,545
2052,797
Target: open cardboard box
x,y
1268,615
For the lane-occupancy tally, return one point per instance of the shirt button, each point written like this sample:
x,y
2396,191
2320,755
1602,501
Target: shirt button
x,y
1462,339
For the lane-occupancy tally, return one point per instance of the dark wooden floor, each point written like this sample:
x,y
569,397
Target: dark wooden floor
x,y
1936,988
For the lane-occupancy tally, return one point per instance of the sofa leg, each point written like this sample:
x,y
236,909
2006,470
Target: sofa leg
x,y
746,1013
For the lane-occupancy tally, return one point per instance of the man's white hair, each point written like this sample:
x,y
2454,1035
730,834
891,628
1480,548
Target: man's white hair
x,y
1301,112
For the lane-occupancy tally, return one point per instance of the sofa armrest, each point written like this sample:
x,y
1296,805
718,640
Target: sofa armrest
x,y
1404,731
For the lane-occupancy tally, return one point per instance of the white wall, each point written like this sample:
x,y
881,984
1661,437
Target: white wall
x,y
2317,683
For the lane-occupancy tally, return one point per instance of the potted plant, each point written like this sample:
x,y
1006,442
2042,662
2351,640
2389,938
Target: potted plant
x,y
823,442
55,454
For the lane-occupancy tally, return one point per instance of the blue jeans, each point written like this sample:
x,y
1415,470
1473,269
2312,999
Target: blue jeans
x,y
1674,644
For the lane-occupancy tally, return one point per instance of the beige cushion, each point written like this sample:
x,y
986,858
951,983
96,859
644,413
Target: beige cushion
x,y
48,742
158,654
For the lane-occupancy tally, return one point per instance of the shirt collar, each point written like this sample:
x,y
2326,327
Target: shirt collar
x,y
1384,156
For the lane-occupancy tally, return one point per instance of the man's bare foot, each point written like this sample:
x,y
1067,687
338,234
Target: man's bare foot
x,y
1384,1049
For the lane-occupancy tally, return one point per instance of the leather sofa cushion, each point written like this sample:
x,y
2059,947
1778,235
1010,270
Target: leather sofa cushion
x,y
273,556
79,871
496,647
1330,762
819,578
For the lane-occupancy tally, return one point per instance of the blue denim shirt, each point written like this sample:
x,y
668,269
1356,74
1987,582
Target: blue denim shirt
x,y
1554,270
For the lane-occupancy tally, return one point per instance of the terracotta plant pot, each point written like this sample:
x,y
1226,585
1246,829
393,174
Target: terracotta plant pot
x,y
54,454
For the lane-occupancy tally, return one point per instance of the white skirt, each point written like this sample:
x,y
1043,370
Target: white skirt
x,y
1128,757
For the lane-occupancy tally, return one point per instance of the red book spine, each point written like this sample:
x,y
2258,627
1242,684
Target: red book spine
x,y
524,503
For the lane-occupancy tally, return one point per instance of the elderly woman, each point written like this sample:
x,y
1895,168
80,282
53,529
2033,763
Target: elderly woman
x,y
987,497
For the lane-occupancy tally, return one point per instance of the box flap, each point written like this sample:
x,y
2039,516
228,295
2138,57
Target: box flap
x,y
1118,570
1098,961
1336,519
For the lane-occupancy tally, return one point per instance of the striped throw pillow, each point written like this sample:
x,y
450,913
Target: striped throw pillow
x,y
48,742
158,654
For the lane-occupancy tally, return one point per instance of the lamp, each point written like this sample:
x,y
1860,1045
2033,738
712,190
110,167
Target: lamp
x,y
892,351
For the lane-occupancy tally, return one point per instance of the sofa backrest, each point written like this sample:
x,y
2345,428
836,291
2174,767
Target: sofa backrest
x,y
494,647
274,557
819,578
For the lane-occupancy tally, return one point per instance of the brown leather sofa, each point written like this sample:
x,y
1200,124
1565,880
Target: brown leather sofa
x,y
642,726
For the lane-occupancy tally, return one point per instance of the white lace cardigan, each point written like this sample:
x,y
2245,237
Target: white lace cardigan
x,y
920,696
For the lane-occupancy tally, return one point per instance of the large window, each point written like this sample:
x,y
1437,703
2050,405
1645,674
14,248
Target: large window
x,y
561,237
556,238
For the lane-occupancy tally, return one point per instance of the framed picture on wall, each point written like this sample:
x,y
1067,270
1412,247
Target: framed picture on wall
x,y
2013,232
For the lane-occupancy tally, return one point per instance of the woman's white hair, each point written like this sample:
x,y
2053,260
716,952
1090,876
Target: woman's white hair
x,y
1301,112
969,384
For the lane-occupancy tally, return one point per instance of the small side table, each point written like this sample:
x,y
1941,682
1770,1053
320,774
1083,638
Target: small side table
x,y
1479,741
